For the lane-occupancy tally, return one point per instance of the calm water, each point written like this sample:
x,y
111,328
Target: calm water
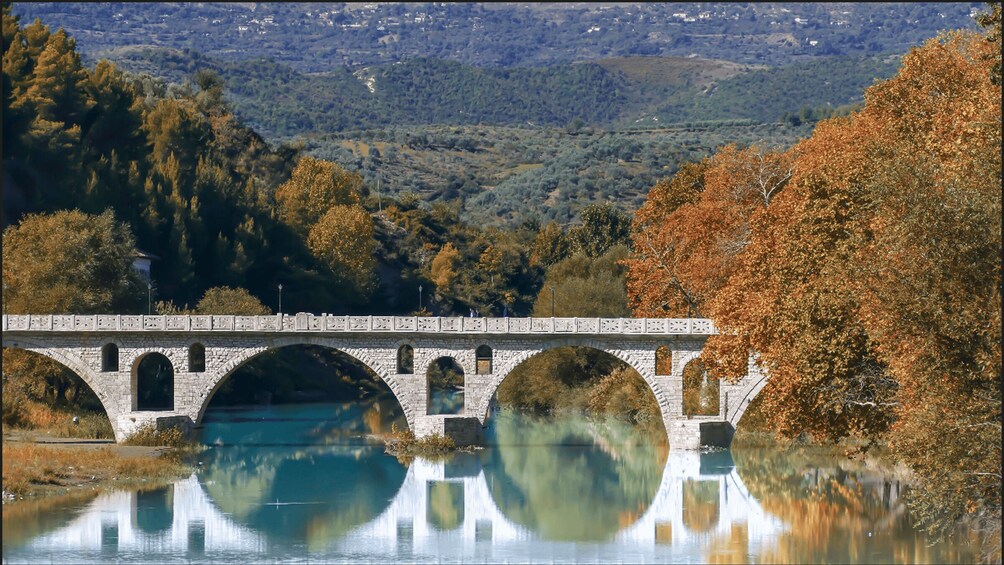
x,y
311,484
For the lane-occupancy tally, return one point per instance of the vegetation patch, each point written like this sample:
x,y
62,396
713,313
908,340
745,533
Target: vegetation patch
x,y
31,470
405,446
148,435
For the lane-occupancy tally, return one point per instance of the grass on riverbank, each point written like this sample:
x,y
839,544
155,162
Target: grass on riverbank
x,y
33,470
21,412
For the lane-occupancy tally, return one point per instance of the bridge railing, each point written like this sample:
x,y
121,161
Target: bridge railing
x,y
304,322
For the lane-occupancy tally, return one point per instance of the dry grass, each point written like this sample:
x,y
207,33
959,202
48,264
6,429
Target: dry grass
x,y
33,470
404,445
149,435
32,415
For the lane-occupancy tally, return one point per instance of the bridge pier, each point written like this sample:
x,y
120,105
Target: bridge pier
x,y
465,431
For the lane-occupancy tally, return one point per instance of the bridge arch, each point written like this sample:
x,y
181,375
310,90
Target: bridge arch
x,y
755,384
361,355
642,362
74,363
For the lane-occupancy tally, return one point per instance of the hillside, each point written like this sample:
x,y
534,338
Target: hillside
x,y
620,92
317,37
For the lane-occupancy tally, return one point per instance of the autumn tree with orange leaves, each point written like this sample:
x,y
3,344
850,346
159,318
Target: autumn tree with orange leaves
x,y
868,281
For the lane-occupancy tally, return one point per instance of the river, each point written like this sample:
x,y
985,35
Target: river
x,y
311,483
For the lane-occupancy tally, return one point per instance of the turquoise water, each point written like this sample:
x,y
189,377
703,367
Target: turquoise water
x,y
312,483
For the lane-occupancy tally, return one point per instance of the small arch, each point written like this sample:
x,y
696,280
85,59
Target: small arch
x,y
445,386
701,391
197,358
110,358
663,360
406,360
153,383
483,357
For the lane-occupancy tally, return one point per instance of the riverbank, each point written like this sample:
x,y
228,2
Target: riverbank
x,y
38,465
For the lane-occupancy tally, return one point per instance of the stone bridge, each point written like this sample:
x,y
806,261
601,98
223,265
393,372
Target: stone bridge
x,y
106,351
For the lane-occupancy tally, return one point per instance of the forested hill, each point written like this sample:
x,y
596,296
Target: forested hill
x,y
315,37
626,92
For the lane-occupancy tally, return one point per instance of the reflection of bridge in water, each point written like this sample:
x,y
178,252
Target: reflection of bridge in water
x,y
701,497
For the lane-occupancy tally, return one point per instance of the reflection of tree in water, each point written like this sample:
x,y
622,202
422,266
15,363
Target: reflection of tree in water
x,y
565,480
837,508
700,505
312,492
445,509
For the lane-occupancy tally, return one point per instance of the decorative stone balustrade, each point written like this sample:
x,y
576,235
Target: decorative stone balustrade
x,y
326,323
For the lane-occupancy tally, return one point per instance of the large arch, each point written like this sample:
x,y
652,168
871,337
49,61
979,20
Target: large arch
x,y
75,364
360,355
630,357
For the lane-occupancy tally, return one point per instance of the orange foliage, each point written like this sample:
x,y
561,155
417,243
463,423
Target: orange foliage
x,y
870,286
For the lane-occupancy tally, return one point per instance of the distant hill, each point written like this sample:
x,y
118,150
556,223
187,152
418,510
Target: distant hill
x,y
318,37
625,92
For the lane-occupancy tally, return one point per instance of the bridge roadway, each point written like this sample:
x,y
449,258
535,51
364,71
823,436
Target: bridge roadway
x,y
106,351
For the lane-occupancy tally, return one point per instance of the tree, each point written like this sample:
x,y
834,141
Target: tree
x,y
314,187
443,268
64,263
71,263
550,246
343,240
602,228
585,287
224,300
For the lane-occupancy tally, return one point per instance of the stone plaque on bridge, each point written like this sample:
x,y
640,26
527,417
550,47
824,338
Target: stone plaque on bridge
x,y
519,325
244,323
128,322
610,325
474,324
404,323
540,325
634,326
564,325
678,326
223,322
336,323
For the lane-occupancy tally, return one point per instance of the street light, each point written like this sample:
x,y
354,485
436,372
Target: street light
x,y
552,301
280,299
4,298
419,298
149,298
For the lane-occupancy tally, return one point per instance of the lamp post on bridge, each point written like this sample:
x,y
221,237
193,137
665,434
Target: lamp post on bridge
x,y
5,298
149,298
280,299
419,298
